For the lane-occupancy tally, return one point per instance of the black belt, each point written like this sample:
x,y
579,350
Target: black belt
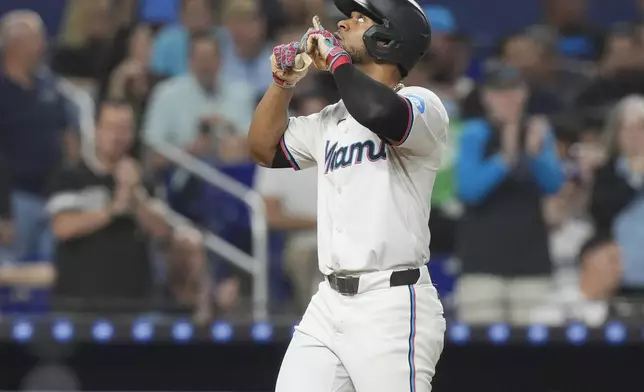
x,y
348,285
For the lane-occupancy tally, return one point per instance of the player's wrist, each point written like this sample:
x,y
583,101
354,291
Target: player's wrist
x,y
283,83
337,57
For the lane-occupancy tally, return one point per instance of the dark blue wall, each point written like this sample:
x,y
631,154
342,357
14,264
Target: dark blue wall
x,y
486,19
483,19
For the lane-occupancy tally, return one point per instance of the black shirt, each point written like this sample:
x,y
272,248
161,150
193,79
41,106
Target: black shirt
x,y
111,263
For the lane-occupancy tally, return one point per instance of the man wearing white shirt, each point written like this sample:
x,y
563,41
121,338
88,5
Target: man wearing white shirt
x,y
291,206
181,106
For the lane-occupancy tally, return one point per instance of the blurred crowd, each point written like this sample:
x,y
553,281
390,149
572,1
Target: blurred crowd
x,y
537,212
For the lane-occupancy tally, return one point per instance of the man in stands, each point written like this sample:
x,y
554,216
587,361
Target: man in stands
x,y
105,222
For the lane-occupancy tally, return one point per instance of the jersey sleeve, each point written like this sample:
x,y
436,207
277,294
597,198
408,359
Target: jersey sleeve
x,y
268,182
428,122
299,142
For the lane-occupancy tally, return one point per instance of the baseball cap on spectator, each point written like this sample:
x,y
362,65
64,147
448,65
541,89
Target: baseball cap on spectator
x,y
441,19
502,78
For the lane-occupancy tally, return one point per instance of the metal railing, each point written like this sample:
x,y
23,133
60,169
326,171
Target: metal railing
x,y
257,264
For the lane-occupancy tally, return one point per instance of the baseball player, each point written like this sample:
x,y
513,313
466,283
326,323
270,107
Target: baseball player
x,y
376,323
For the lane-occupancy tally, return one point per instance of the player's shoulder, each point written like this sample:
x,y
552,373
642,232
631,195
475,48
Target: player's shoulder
x,y
333,111
422,94
426,102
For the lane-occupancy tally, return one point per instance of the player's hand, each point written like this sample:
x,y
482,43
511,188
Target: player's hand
x,y
324,48
289,64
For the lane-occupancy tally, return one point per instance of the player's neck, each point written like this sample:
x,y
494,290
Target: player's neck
x,y
383,73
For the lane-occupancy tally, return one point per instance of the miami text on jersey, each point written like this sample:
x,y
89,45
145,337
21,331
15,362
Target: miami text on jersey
x,y
337,158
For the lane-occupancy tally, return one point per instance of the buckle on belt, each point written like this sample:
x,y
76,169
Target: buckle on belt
x,y
346,285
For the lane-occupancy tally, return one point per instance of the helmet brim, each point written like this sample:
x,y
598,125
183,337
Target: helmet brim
x,y
349,6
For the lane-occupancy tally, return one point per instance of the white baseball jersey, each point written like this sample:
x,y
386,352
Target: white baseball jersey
x,y
373,198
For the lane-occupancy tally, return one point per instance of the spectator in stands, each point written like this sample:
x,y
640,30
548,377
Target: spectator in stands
x,y
589,301
617,201
506,164
245,55
577,37
172,44
534,53
131,80
35,129
621,71
93,42
193,111
640,7
443,69
105,222
539,101
84,50
291,207
589,152
566,213
518,51
280,13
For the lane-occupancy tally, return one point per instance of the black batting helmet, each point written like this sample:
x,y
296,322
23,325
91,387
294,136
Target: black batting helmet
x,y
401,35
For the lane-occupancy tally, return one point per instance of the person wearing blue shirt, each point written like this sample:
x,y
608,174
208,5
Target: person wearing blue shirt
x,y
478,177
246,56
506,164
170,52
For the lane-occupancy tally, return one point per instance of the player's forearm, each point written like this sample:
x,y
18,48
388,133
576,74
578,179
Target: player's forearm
x,y
269,124
374,105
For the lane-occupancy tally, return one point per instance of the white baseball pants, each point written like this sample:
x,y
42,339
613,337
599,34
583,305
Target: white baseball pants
x,y
383,339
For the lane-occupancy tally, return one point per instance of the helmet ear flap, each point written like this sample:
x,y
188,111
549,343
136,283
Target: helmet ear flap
x,y
380,43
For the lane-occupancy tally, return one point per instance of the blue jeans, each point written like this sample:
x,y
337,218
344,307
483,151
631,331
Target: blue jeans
x,y
34,240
